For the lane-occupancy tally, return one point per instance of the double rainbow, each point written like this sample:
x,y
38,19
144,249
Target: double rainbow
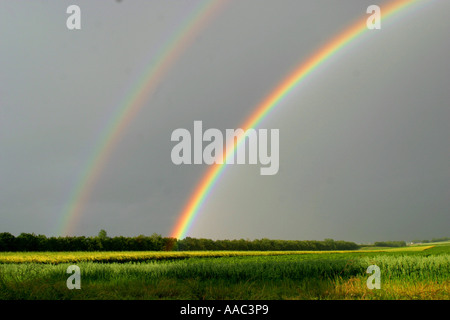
x,y
153,74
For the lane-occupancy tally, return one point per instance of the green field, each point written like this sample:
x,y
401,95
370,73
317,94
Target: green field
x,y
416,272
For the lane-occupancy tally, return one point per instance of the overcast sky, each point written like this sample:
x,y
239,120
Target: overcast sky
x,y
364,140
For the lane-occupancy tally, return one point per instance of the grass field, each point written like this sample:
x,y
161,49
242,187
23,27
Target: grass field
x,y
416,272
142,256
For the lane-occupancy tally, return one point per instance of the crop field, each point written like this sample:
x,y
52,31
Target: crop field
x,y
416,272
141,256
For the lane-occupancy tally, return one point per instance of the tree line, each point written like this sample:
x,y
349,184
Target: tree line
x,y
264,244
432,240
390,244
32,242
155,242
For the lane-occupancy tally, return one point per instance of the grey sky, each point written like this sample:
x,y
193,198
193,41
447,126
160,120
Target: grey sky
x,y
364,140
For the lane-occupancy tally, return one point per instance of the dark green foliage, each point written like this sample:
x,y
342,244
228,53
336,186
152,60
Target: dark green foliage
x,y
442,239
32,242
192,244
390,244
7,242
155,242
102,234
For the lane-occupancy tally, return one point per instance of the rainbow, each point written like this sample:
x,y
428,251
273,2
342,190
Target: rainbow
x,y
129,108
208,181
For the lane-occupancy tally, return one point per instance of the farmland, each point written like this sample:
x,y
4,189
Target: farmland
x,y
416,272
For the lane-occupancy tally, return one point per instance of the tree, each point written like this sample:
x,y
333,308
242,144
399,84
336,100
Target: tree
x,y
7,242
102,234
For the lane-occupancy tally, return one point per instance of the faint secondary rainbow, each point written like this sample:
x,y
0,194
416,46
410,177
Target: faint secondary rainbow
x,y
130,106
204,188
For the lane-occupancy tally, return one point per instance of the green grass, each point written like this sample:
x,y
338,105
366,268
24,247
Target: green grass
x,y
140,256
422,273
